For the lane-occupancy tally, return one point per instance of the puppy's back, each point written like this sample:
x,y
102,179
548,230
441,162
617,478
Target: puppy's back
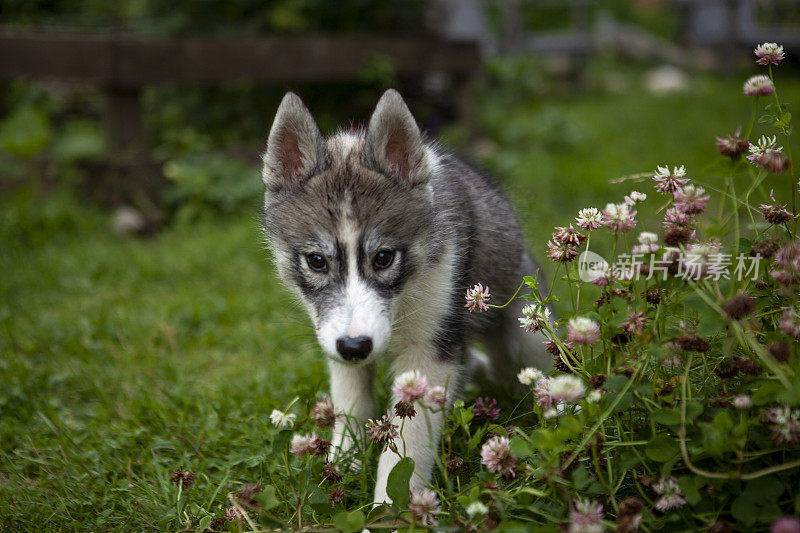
x,y
471,209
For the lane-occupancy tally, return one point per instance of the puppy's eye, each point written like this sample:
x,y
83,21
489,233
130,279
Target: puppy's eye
x,y
317,262
383,259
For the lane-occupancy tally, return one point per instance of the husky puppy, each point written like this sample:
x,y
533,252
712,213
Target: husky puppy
x,y
380,234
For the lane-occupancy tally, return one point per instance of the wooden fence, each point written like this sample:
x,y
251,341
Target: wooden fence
x,y
123,65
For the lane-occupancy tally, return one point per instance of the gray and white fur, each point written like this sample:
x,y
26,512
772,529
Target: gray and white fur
x,y
380,234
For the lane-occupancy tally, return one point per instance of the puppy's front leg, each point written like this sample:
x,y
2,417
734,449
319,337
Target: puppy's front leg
x,y
352,396
420,435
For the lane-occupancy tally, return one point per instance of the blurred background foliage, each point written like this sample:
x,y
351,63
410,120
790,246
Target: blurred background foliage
x,y
238,17
260,17
51,134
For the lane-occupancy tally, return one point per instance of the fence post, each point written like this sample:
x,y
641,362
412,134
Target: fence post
x,y
124,123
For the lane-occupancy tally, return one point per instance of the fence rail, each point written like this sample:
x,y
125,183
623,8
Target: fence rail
x,y
129,61
123,65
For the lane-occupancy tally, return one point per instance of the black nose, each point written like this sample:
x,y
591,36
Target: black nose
x,y
354,348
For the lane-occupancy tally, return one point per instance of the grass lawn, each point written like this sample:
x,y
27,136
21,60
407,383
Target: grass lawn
x,y
122,359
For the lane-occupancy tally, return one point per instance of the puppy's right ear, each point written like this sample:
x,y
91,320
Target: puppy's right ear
x,y
394,142
294,149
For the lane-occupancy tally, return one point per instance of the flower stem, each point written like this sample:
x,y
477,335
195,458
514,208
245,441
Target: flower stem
x,y
578,298
788,153
553,284
759,178
509,301
572,300
735,213
752,118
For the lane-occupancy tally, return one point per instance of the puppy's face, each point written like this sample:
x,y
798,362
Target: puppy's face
x,y
348,226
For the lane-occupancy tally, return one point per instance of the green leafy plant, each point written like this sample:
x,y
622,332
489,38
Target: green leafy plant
x,y
25,132
209,183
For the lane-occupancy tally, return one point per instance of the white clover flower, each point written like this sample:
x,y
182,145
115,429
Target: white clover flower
x,y
783,423
782,415
671,494
303,444
586,516
529,375
768,142
550,413
382,429
233,513
619,217
589,218
790,319
647,237
617,210
635,197
702,257
601,274
477,297
669,182
594,396
768,155
691,199
410,386
497,457
476,509
663,172
763,145
534,317
742,401
758,85
566,388
437,395
769,53
647,243
424,506
323,413
282,420
583,330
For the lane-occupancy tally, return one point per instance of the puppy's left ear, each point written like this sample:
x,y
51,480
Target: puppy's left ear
x,y
394,142
295,148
